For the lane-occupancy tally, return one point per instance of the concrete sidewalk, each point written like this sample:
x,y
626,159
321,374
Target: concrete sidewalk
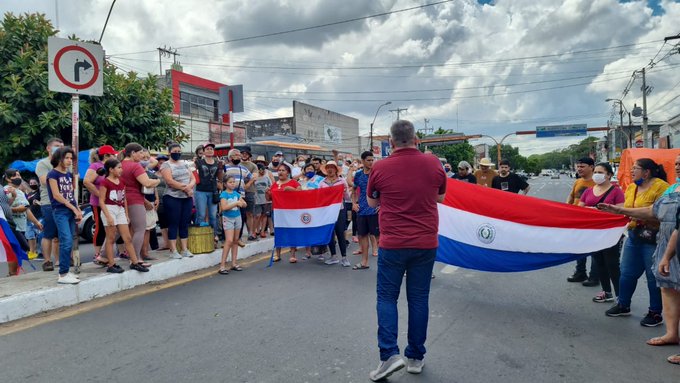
x,y
32,293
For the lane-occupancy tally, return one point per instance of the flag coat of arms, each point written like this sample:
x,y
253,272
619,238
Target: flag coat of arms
x,y
491,230
10,250
307,217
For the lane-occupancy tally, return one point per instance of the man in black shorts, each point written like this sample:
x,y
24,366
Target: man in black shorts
x,y
367,217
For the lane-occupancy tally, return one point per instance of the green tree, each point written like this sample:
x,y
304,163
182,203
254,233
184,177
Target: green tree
x,y
455,152
131,109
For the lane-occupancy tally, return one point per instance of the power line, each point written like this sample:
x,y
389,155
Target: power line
x,y
304,28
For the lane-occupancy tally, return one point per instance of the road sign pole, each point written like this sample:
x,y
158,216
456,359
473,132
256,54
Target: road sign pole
x,y
231,119
75,130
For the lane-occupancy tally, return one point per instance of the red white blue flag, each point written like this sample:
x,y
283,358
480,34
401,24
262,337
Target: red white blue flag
x,y
491,230
10,250
306,217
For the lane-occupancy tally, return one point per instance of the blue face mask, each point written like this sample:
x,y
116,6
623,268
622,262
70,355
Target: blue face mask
x,y
677,180
54,149
309,174
639,182
144,163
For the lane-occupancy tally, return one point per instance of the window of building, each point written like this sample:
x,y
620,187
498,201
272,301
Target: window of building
x,y
198,107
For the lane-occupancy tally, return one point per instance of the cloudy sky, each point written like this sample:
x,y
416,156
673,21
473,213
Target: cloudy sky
x,y
478,67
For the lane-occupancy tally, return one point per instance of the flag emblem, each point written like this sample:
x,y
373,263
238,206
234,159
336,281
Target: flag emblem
x,y
486,233
306,218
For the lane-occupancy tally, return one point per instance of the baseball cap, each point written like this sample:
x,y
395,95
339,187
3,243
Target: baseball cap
x,y
162,157
206,144
106,149
278,153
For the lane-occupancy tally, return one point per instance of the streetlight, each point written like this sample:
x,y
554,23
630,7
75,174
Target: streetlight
x,y
621,109
498,144
376,116
616,101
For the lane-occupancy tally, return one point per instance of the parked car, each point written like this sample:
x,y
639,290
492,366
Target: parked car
x,y
555,176
86,225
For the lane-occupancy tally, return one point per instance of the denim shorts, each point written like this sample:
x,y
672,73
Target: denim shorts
x,y
32,231
231,223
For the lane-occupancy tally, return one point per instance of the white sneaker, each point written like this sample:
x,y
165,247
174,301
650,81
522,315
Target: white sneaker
x,y
387,368
188,254
332,261
414,366
345,262
68,279
175,255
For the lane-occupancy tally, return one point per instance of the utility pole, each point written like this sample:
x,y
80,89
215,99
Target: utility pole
x,y
645,141
166,52
398,110
425,120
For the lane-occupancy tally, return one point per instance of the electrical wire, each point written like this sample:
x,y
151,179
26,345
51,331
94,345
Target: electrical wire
x,y
301,29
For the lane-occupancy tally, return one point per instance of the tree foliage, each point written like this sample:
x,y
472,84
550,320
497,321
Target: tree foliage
x,y
131,109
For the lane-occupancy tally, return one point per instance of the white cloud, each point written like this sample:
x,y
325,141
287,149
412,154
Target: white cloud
x,y
479,90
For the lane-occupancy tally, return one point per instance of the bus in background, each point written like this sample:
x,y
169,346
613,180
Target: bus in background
x,y
268,148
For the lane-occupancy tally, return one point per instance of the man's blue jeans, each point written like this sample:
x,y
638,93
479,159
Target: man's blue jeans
x,y
66,229
636,259
204,204
392,264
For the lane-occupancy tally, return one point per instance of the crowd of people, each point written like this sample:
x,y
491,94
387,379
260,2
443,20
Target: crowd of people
x,y
131,192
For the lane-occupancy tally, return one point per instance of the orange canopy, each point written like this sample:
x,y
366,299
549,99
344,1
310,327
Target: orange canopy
x,y
665,157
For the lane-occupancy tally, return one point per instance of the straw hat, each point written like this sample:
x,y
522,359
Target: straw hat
x,y
485,162
329,163
260,159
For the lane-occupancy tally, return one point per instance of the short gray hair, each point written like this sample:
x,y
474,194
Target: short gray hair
x,y
232,152
402,133
464,164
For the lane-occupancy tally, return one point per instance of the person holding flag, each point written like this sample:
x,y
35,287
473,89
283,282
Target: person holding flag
x,y
333,179
408,222
285,183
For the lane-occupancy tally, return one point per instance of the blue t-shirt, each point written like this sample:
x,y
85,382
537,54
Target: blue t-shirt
x,y
672,189
231,197
361,184
65,184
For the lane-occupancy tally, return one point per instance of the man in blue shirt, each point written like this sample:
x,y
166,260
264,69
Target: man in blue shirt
x,y
367,217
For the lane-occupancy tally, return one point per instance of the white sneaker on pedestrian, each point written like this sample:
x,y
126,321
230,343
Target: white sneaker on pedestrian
x,y
320,258
332,260
345,262
68,279
187,254
175,255
414,366
387,368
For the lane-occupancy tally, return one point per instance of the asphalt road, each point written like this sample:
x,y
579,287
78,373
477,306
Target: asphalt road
x,y
308,322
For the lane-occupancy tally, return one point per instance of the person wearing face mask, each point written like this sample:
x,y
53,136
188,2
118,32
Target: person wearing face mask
x,y
244,179
277,159
607,260
33,231
584,168
666,268
246,158
298,167
178,200
93,179
135,177
639,248
508,181
448,170
309,179
49,243
209,171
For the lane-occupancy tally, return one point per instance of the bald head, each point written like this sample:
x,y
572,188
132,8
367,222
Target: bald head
x,y
402,134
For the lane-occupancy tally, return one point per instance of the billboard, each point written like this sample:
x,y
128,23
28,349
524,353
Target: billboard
x,y
323,127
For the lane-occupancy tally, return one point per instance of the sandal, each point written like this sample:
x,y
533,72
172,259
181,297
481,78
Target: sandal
x,y
660,341
359,266
237,268
375,253
276,259
145,264
356,252
674,359
223,271
292,260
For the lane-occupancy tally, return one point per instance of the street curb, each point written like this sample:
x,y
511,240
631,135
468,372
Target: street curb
x,y
23,305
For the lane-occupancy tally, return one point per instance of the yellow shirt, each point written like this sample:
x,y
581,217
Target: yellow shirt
x,y
484,178
646,198
579,187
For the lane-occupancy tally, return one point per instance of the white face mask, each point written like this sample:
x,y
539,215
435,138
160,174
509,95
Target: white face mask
x,y
599,178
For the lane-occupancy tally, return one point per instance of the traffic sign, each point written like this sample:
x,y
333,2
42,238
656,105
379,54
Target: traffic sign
x,y
561,130
75,67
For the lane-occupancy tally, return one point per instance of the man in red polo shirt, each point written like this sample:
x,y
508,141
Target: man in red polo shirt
x,y
407,187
